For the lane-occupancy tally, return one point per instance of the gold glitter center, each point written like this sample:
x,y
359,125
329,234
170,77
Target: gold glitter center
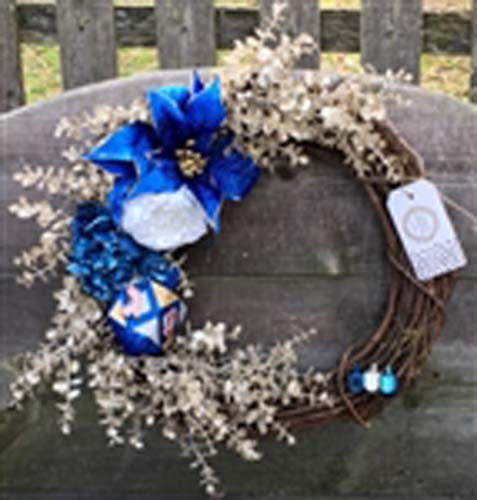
x,y
190,162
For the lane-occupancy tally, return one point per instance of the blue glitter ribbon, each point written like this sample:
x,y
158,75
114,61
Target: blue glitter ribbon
x,y
105,259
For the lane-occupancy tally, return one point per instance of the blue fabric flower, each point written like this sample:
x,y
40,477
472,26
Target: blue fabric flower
x,y
185,132
105,259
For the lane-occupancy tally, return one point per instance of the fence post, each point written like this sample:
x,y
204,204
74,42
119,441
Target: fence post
x,y
11,81
473,69
87,40
391,35
303,16
185,33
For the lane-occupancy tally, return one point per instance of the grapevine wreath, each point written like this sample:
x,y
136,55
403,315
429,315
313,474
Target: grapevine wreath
x,y
146,179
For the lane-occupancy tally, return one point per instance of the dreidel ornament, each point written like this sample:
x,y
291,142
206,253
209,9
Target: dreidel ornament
x,y
145,317
354,380
388,383
371,379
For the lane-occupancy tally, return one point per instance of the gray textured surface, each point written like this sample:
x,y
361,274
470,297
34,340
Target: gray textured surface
x,y
11,82
391,35
87,41
185,33
296,254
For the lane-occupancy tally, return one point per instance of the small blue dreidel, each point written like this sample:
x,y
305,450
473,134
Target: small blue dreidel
x,y
371,379
388,383
145,317
354,380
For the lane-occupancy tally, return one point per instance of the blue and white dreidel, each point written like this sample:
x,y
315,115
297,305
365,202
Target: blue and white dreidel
x,y
145,317
354,380
371,379
388,382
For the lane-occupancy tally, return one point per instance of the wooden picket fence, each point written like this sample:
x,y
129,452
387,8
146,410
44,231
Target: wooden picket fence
x,y
388,34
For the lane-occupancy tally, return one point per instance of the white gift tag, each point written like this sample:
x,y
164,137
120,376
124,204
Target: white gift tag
x,y
425,230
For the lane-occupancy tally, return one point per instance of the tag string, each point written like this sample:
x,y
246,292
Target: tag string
x,y
447,199
459,208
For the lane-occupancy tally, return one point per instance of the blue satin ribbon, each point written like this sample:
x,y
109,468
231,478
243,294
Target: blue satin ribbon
x,y
142,156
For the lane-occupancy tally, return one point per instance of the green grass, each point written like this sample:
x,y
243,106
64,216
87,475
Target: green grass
x,y
133,60
42,69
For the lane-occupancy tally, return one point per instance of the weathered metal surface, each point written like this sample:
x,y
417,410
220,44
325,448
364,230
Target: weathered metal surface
x,y
391,35
11,81
315,260
87,41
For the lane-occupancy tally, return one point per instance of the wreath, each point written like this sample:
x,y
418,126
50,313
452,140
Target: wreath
x,y
146,179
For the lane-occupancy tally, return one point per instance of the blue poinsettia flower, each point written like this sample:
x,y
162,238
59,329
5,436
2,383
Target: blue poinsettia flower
x,y
172,175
